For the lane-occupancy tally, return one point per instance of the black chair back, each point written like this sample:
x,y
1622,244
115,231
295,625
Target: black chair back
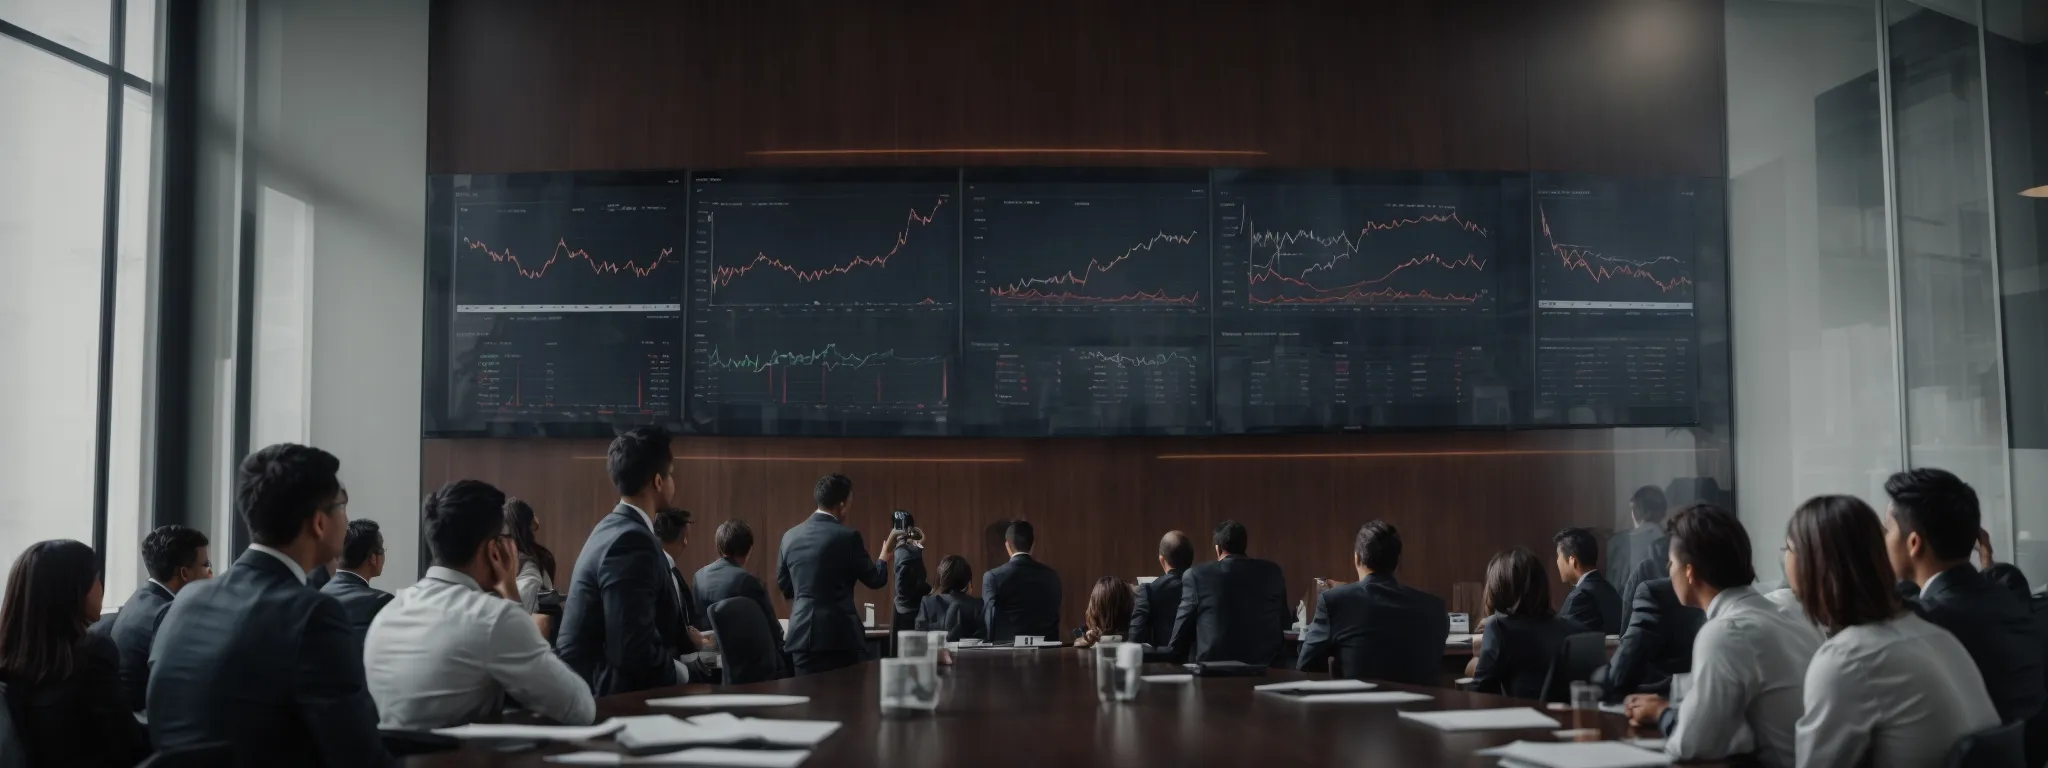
x,y
13,754
2001,747
206,755
962,622
1576,659
746,643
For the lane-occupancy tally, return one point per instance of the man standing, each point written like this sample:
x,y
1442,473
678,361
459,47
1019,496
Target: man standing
x,y
1021,598
911,582
621,612
1152,619
175,556
1377,627
1638,554
820,561
362,559
1592,601
1234,609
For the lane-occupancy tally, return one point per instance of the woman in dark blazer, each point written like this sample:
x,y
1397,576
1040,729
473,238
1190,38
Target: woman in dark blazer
x,y
952,610
1523,634
63,683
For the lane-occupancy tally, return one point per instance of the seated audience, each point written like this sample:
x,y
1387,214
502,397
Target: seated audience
x,y
820,561
450,648
1377,627
952,610
728,577
1233,609
253,657
1159,600
2006,575
536,562
1523,635
1656,644
362,559
1749,662
1928,535
1888,689
672,526
1592,601
621,613
175,556
1022,596
63,682
1109,612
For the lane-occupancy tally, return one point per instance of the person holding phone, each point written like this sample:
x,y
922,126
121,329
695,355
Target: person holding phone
x,y
912,584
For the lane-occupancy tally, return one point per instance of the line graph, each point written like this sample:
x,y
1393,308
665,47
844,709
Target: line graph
x,y
798,374
759,243
1073,247
725,275
535,367
1610,244
563,251
615,253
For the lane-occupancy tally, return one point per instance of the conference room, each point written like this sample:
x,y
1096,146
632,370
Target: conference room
x,y
1389,382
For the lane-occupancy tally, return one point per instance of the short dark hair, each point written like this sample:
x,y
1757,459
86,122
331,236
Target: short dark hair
x,y
1578,543
460,518
1378,546
1939,506
954,574
1019,535
1714,543
1231,537
669,524
1517,585
1648,504
43,616
277,489
169,548
1844,577
1177,549
734,538
636,457
365,539
832,490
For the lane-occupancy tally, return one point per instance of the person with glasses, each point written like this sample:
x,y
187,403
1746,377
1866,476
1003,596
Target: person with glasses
x,y
362,559
622,617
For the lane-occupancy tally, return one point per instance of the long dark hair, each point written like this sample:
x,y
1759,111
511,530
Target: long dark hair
x,y
1516,585
519,518
44,613
1110,605
1844,577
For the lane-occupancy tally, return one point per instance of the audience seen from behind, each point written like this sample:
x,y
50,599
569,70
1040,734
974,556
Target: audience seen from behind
x,y
1108,614
1377,627
912,582
727,577
253,657
1928,535
1592,600
1656,644
362,559
621,618
174,556
1523,635
952,610
1638,554
1749,661
1021,597
63,683
536,562
449,649
820,561
1233,609
1159,600
672,526
1888,689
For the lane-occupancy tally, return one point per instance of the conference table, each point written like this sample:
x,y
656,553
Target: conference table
x,y
1039,708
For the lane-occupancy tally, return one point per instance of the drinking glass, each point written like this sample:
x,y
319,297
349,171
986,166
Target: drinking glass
x,y
918,645
1116,670
909,686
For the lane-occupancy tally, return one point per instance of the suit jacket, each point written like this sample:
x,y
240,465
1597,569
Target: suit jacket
x,y
1652,563
1515,653
1594,603
1234,609
621,613
1158,604
1021,597
82,720
1998,631
132,630
358,598
958,614
2009,576
722,579
1379,629
1657,643
256,659
911,583
318,577
819,563
1627,548
688,613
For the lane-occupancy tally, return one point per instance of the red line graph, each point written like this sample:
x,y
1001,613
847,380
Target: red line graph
x,y
1580,258
562,250
721,276
1298,288
1064,288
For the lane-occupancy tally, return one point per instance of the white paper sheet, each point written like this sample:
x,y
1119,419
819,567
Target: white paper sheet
x,y
1483,719
1316,686
722,700
705,756
1366,697
540,732
1182,678
1577,754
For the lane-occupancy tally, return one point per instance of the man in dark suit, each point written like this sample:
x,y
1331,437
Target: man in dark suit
x,y
1644,542
1929,532
1377,627
256,659
362,559
912,583
1159,601
820,561
1234,609
1656,644
728,577
1592,601
621,613
672,527
1021,597
175,556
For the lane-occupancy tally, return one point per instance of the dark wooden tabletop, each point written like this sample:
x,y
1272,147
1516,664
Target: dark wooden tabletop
x,y
1038,708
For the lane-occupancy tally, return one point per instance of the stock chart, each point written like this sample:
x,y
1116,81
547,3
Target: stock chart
x,y
569,367
1067,242
796,241
840,375
573,248
1037,387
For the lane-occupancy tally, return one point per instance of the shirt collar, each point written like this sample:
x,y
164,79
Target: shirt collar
x,y
643,514
359,577
1583,576
167,590
1929,586
452,576
1725,601
297,570
1020,554
828,515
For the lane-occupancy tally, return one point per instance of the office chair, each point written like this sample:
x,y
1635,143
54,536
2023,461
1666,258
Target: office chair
x,y
746,644
12,753
962,622
204,755
2002,747
1576,659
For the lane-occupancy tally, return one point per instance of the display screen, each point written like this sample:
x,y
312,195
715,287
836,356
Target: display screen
x,y
1065,302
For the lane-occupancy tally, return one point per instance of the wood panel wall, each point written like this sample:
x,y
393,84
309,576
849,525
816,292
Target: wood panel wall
x,y
1611,86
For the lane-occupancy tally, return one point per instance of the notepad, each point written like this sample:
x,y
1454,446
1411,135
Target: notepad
x,y
1365,697
728,700
1316,686
1181,678
707,756
1509,718
540,732
656,732
1577,754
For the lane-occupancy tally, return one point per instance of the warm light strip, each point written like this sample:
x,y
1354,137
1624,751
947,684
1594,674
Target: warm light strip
x,y
1000,151
1422,454
838,459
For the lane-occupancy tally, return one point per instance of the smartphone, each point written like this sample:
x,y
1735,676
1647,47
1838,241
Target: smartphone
x,y
902,521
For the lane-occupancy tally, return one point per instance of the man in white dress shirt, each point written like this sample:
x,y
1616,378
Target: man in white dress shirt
x,y
449,649
1748,661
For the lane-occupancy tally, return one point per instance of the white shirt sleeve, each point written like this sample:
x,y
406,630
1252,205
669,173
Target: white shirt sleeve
x,y
521,661
530,586
1839,714
1713,721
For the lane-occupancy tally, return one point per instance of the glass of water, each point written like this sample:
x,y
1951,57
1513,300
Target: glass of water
x,y
909,686
918,645
1116,670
